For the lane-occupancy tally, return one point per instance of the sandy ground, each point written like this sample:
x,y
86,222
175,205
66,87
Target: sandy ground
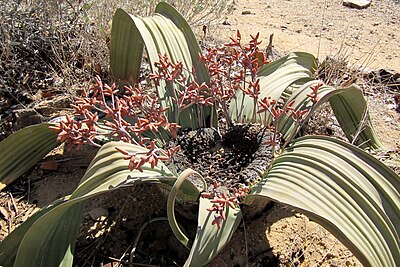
x,y
368,37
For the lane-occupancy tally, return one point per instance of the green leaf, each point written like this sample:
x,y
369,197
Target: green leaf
x,y
286,125
22,150
47,239
346,190
209,241
125,38
171,13
166,32
351,111
275,78
50,241
171,203
289,78
9,246
348,104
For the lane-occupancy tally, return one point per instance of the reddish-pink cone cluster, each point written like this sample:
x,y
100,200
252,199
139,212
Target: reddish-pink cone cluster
x,y
221,200
127,115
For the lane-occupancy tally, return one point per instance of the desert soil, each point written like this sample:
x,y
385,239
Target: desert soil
x,y
368,37
278,237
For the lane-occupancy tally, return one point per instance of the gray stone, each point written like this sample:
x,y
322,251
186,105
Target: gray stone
x,y
360,4
21,118
98,214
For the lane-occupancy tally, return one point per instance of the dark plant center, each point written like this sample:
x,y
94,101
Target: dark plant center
x,y
231,158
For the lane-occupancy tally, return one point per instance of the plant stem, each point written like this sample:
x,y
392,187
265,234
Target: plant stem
x,y
228,118
254,110
274,138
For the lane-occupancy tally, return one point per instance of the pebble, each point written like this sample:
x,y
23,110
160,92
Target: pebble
x,y
359,4
98,214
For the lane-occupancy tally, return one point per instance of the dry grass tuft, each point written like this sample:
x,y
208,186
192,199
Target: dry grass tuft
x,y
51,49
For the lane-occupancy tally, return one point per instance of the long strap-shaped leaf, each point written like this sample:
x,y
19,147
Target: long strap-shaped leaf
x,y
48,238
286,124
275,78
169,12
349,106
209,241
50,241
9,246
166,32
171,203
290,78
351,111
23,149
346,190
126,48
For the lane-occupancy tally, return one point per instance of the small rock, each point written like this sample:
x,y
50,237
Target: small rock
x,y
52,106
98,213
225,22
283,27
298,215
246,12
22,118
359,4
